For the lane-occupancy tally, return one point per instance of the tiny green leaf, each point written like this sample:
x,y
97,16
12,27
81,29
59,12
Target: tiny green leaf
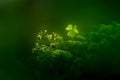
x,y
71,34
75,29
69,27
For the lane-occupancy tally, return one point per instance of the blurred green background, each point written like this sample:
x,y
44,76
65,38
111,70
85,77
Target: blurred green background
x,y
20,20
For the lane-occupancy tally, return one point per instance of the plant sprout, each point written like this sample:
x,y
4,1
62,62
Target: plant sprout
x,y
73,32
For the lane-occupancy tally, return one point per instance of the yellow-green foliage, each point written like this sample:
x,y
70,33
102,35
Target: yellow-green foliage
x,y
72,31
45,41
92,52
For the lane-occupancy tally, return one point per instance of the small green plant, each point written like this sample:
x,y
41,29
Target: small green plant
x,y
72,31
